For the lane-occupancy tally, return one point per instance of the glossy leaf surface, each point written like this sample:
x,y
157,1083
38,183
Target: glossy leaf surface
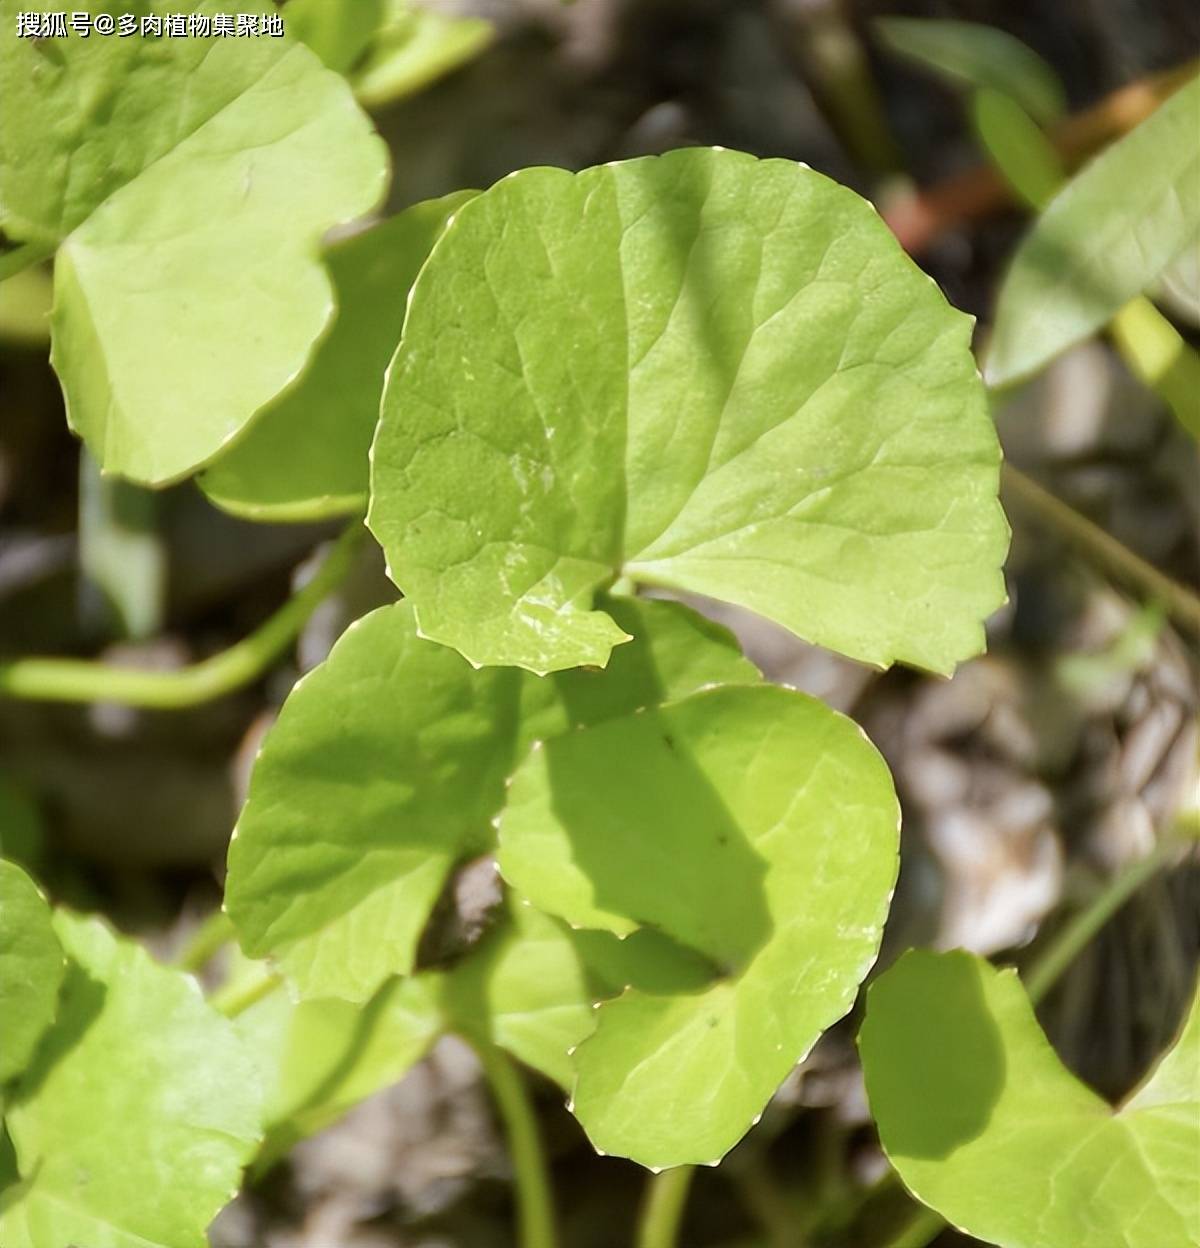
x,y
213,166
31,968
305,457
702,371
753,826
971,1101
386,767
1107,236
132,1124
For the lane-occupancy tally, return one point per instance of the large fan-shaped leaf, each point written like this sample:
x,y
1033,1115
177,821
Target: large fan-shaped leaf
x,y
306,456
31,968
140,1108
985,1124
387,766
757,828
1107,236
186,183
702,370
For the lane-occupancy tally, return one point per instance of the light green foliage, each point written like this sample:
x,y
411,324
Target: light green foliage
x,y
132,1123
186,184
532,984
389,49
31,968
978,56
318,1058
1105,237
985,1124
386,768
1150,344
413,47
702,371
1025,158
753,826
305,456
338,31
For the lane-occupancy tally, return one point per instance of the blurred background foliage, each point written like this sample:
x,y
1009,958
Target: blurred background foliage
x,y
1028,780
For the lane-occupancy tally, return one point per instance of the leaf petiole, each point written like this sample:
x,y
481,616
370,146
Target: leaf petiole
x,y
534,1201
82,680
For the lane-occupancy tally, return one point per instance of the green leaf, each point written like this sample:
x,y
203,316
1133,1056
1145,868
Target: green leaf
x,y
1022,154
525,988
532,984
387,766
186,183
319,1058
305,456
414,47
978,56
972,1102
700,371
31,968
753,826
338,31
131,1127
1104,238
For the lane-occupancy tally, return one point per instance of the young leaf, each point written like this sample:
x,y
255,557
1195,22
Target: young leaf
x,y
757,828
132,1124
319,1058
1022,154
972,1101
414,47
525,988
214,165
386,768
1150,344
1104,238
305,456
700,370
31,968
532,984
978,56
338,31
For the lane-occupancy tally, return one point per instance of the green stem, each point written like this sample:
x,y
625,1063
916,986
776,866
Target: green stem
x,y
662,1210
236,999
535,1206
81,680
23,257
1179,602
211,935
1050,965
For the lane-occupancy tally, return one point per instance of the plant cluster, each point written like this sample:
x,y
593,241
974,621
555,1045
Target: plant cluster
x,y
700,373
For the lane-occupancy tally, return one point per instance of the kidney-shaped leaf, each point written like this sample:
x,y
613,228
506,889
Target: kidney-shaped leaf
x,y
305,457
1107,236
31,968
753,826
140,1108
700,370
386,767
186,183
972,1102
